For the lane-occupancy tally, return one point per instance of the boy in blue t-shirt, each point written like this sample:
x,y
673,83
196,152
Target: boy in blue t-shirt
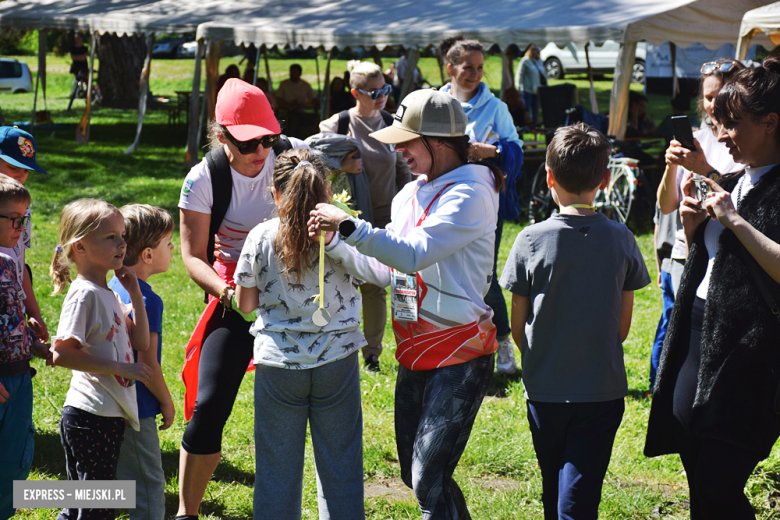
x,y
17,347
572,278
149,251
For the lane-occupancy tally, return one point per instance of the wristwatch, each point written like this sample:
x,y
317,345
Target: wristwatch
x,y
347,227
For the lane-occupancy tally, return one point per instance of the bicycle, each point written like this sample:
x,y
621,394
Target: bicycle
x,y
79,90
615,201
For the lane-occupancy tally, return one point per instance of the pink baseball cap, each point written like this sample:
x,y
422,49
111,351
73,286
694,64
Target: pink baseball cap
x,y
245,111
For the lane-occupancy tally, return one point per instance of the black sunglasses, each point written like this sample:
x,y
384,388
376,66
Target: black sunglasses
x,y
248,147
374,94
17,222
711,66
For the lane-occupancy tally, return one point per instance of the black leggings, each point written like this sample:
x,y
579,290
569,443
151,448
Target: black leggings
x,y
224,358
716,471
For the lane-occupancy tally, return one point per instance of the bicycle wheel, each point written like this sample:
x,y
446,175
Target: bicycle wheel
x,y
619,195
541,204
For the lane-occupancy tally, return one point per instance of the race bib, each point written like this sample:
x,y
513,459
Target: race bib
x,y
404,296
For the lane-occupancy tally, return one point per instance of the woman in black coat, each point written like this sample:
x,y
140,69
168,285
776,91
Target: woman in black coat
x,y
714,399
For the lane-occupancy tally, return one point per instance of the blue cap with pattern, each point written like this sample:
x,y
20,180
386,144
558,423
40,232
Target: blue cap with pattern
x,y
18,148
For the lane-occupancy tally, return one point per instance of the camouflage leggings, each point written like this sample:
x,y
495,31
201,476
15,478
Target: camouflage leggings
x,y
434,414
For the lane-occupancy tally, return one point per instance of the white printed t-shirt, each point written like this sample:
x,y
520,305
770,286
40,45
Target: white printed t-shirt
x,y
250,203
96,318
285,336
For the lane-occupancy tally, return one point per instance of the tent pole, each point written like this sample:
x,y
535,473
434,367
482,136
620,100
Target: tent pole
x,y
201,120
212,74
143,92
594,105
257,64
510,60
82,130
504,66
42,64
191,155
675,84
317,65
268,70
618,102
743,44
40,76
440,60
325,103
37,77
412,59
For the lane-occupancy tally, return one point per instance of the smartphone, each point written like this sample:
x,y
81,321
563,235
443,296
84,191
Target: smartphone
x,y
682,132
702,189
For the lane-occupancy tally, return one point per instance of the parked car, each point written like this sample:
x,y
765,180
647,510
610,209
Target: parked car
x,y
603,58
188,49
15,76
169,47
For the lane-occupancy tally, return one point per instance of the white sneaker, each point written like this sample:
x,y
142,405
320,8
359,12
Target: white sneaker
x,y
505,363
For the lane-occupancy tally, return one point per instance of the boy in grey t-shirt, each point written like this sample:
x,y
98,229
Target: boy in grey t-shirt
x,y
572,278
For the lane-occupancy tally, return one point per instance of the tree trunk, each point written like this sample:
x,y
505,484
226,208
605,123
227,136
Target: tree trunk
x,y
121,62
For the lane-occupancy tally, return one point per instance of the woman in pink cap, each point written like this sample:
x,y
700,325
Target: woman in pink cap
x,y
222,199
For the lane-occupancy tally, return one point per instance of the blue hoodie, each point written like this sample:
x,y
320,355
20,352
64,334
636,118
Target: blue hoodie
x,y
485,111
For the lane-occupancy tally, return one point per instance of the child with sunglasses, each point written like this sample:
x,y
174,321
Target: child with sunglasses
x,y
387,173
17,347
18,151
220,348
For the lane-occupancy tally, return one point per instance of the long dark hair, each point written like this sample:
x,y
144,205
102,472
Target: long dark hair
x,y
461,146
300,187
753,92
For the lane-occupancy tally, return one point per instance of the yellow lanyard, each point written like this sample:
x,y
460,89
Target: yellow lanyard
x,y
581,206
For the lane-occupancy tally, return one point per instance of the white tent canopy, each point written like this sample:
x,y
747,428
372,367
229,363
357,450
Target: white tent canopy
x,y
415,24
762,20
410,23
60,14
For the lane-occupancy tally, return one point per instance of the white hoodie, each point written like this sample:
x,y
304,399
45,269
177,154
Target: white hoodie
x,y
452,252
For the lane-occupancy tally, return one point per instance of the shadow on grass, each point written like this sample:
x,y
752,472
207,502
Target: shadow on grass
x,y
49,457
500,383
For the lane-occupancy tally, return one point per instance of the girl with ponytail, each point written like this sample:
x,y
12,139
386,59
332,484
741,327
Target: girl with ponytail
x,y
305,371
95,338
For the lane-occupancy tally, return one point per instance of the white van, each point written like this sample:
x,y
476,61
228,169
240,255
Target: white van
x,y
603,58
14,76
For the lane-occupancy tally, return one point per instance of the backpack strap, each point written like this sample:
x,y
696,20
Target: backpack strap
x,y
282,145
343,127
222,189
387,117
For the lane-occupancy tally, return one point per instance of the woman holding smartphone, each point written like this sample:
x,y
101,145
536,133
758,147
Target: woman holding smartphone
x,y
710,158
715,396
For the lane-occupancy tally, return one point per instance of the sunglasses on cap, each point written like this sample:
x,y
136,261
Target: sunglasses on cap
x,y
249,147
713,66
17,222
374,94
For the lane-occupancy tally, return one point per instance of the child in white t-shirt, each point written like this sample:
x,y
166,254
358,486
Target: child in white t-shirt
x,y
94,339
306,370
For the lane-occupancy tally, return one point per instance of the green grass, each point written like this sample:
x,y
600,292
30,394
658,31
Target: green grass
x,y
498,471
